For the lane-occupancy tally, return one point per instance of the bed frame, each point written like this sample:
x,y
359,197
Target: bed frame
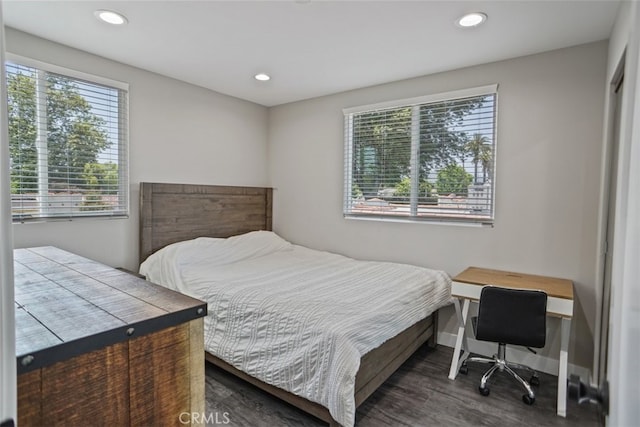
x,y
171,213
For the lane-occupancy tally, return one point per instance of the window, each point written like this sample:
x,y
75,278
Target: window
x,y
430,158
68,143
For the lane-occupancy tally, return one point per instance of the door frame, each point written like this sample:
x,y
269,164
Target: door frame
x,y
624,336
607,214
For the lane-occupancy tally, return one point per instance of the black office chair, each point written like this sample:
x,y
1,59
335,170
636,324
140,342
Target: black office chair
x,y
510,316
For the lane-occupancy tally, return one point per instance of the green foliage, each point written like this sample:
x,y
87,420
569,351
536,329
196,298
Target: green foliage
x,y
481,153
22,132
356,193
382,149
403,188
102,177
99,179
93,202
441,143
486,161
453,179
382,144
75,135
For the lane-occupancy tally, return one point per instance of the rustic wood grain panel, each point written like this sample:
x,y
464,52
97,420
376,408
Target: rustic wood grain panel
x,y
45,266
374,361
25,256
391,362
175,212
83,278
146,345
146,381
110,298
268,211
66,314
29,401
160,371
70,260
25,275
32,335
432,341
148,292
196,364
88,389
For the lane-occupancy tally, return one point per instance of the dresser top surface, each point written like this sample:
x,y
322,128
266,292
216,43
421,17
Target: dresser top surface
x,y
67,304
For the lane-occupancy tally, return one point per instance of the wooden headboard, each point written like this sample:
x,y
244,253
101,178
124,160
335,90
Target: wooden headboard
x,y
171,213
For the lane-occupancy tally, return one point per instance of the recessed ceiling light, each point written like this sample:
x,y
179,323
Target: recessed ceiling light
x,y
262,77
110,17
472,19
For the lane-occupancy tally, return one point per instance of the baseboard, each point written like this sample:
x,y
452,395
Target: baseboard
x,y
517,355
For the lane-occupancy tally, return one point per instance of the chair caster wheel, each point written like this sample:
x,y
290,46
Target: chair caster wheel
x,y
464,370
528,399
485,391
534,381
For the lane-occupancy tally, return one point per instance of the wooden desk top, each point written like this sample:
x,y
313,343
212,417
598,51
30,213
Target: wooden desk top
x,y
68,305
554,287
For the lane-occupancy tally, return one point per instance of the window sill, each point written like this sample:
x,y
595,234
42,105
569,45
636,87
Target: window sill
x,y
448,222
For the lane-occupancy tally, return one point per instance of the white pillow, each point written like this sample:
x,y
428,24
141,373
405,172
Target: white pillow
x,y
257,243
165,265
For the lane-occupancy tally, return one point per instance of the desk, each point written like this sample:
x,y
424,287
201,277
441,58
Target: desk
x,y
466,288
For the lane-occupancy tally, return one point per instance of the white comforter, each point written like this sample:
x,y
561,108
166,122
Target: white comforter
x,y
293,317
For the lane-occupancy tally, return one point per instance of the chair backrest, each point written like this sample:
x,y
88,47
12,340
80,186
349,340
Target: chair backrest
x,y
512,316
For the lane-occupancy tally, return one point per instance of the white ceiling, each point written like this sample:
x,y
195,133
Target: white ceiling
x,y
310,48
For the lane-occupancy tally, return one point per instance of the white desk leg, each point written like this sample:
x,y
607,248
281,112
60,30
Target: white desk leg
x,y
461,338
565,329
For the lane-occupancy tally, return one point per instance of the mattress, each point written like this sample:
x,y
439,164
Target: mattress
x,y
293,317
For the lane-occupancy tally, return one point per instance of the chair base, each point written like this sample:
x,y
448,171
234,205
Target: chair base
x,y
499,363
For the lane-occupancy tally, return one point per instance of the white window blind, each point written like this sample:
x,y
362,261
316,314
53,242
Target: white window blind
x,y
428,158
68,139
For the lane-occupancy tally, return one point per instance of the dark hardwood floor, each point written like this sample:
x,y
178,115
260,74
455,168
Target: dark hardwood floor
x,y
418,394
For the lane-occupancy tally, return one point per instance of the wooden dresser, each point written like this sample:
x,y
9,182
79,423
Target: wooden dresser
x,y
99,346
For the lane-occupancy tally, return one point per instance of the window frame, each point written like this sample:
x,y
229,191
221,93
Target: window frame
x,y
413,217
123,140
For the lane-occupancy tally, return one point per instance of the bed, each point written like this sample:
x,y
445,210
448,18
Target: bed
x,y
186,228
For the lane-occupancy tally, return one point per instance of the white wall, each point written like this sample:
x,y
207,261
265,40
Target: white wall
x,y
547,189
178,133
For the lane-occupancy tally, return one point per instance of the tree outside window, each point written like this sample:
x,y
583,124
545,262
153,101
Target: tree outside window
x,y
422,160
67,145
